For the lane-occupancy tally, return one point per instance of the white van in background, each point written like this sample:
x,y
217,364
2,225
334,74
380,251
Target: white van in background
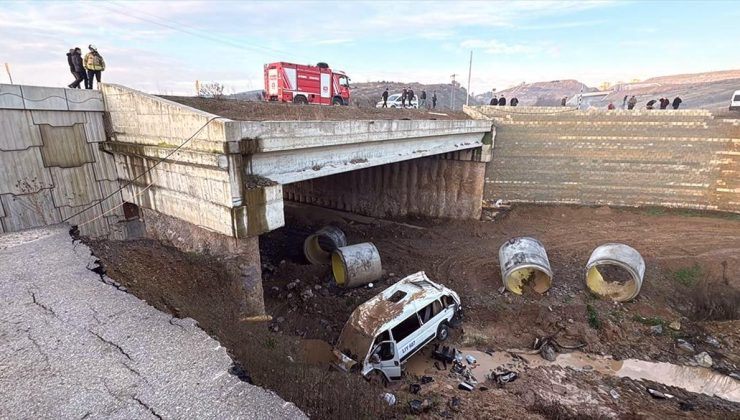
x,y
385,331
735,101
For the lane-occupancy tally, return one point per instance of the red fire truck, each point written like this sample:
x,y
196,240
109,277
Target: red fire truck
x,y
301,84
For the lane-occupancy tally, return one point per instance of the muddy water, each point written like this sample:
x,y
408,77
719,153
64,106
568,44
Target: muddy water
x,y
693,379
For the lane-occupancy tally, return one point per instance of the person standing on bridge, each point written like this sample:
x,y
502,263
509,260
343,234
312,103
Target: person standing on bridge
x,y
78,70
423,99
564,101
434,99
95,65
514,101
611,106
677,102
404,94
502,101
624,102
494,100
385,98
632,102
410,97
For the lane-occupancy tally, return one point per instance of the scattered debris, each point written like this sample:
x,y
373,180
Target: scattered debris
x,y
389,398
446,354
548,348
306,294
614,394
685,346
465,386
414,388
418,407
292,285
502,378
712,341
703,359
659,395
454,404
426,380
656,329
470,359
675,325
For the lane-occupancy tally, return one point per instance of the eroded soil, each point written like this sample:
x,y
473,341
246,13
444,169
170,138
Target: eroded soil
x,y
272,111
682,250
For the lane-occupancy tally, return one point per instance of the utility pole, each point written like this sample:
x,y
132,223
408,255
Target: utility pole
x,y
452,90
470,71
7,69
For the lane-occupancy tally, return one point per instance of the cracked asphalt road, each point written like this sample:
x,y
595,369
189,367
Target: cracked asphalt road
x,y
72,346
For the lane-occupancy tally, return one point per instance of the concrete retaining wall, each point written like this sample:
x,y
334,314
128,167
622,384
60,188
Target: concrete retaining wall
x,y
52,164
432,187
683,158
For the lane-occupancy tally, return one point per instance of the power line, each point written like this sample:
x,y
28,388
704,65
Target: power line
x,y
190,30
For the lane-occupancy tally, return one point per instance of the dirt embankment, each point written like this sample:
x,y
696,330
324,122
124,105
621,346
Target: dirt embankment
x,y
693,263
266,111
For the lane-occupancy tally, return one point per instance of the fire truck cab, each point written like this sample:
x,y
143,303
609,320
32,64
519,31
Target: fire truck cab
x,y
301,84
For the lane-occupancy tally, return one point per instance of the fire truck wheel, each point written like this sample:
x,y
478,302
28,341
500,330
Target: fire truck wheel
x,y
300,100
337,101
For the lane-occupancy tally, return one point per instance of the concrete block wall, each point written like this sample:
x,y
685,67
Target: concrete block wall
x,y
52,164
671,158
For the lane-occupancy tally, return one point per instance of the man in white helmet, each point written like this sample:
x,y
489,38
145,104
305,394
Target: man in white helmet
x,y
94,64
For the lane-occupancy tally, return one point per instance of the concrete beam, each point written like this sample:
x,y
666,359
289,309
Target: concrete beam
x,y
288,166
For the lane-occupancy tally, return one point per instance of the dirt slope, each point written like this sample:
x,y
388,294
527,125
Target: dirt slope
x,y
265,111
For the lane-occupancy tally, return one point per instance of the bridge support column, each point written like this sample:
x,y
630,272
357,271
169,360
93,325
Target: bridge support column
x,y
444,186
240,257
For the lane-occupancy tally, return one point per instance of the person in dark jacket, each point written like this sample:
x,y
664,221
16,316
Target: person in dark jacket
x,y
650,104
74,58
404,93
434,99
494,100
624,102
501,101
423,99
410,97
514,102
677,102
632,102
385,98
564,101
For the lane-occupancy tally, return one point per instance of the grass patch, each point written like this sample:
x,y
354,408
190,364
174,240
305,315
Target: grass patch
x,y
715,302
688,276
474,339
655,211
651,321
593,317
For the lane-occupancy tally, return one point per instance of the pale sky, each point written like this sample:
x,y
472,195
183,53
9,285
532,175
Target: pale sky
x,y
163,47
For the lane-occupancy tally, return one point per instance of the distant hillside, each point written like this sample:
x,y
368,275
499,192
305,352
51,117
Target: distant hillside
x,y
368,94
539,93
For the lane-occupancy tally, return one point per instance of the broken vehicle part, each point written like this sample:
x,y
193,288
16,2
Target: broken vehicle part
x,y
524,261
615,271
318,246
356,265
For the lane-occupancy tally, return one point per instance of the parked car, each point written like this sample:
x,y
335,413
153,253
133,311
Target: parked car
x,y
735,101
384,332
394,101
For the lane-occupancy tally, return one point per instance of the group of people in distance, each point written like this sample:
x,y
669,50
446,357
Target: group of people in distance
x,y
85,69
502,101
632,102
408,95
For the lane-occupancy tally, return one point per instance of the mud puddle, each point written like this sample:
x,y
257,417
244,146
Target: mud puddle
x,y
690,378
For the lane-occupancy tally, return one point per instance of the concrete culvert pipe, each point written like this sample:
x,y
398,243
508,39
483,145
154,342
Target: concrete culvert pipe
x,y
356,265
318,247
524,262
615,271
